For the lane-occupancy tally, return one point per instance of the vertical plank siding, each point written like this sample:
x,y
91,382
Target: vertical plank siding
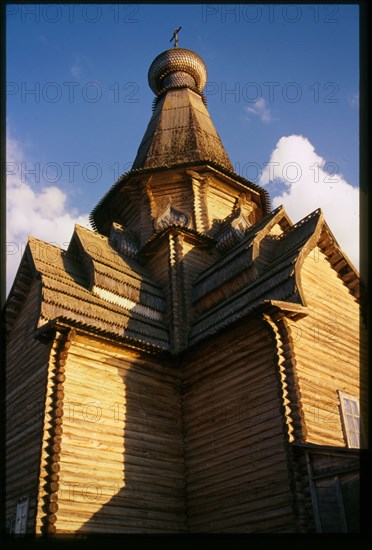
x,y
235,481
121,464
26,371
328,350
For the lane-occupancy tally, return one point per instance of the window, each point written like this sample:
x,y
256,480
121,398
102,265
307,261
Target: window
x,y
350,419
21,516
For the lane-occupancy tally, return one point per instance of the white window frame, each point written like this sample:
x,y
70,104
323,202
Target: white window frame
x,y
20,524
344,414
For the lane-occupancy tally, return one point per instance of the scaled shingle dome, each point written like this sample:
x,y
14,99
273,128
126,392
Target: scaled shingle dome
x,y
177,68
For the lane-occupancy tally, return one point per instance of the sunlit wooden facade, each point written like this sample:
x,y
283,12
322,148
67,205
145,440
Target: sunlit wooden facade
x,y
192,364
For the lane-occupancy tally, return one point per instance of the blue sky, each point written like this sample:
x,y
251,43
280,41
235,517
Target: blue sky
x,y
283,88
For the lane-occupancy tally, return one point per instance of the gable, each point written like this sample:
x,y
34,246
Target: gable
x,y
329,345
19,291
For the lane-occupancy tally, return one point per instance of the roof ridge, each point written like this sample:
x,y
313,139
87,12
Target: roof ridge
x,y
318,212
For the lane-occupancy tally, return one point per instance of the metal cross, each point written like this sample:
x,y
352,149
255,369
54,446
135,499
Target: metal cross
x,y
175,37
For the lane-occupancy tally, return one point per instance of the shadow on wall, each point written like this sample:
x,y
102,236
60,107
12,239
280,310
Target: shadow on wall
x,y
122,470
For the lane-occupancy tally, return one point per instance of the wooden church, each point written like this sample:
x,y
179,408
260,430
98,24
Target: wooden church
x,y
191,365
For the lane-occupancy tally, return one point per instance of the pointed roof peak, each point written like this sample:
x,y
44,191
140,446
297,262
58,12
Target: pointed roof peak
x,y
180,131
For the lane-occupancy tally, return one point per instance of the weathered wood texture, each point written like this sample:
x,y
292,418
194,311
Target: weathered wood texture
x,y
174,262
328,349
237,477
49,479
121,460
333,480
26,370
220,201
180,131
195,260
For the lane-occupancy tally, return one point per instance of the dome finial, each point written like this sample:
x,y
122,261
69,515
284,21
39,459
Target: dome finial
x,y
177,68
175,37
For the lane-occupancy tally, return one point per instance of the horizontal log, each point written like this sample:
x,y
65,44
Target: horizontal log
x,y
221,508
110,481
97,528
120,506
237,405
79,368
52,518
226,442
145,465
80,398
122,452
274,470
123,359
256,368
260,424
52,507
137,503
24,433
234,353
171,448
326,276
15,466
36,379
284,523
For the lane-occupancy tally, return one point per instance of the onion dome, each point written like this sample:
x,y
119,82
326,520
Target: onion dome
x,y
177,68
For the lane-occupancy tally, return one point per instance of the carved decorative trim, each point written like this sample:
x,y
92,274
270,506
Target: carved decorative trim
x,y
200,184
176,278
171,217
49,467
295,427
124,241
233,230
150,197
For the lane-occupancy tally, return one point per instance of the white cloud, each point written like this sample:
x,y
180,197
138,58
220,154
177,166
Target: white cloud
x,y
40,212
261,110
312,182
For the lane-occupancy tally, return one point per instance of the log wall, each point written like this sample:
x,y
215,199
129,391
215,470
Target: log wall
x,y
220,202
26,371
328,349
121,462
195,259
237,477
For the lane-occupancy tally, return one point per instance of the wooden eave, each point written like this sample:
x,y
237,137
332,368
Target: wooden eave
x,y
26,273
325,449
245,302
288,309
191,235
63,296
116,265
239,258
64,324
136,175
277,282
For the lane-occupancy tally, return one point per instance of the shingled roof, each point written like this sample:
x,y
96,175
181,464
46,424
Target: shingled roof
x,y
180,131
93,287
242,281
180,135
